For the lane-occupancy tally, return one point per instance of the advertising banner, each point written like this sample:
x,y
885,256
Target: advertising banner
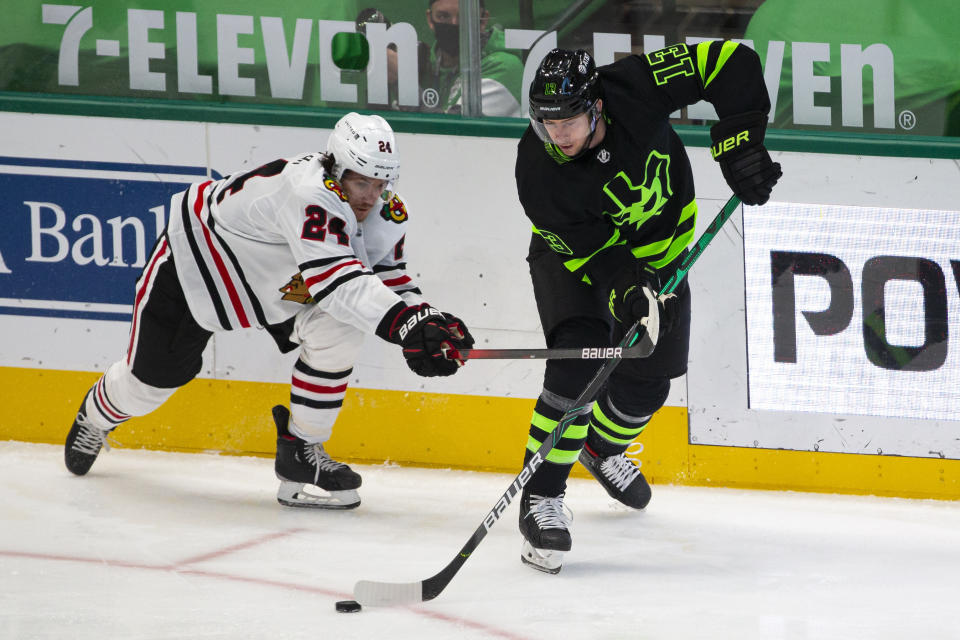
x,y
77,234
853,310
881,66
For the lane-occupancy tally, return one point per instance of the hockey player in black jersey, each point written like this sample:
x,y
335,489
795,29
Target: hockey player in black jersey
x,y
606,182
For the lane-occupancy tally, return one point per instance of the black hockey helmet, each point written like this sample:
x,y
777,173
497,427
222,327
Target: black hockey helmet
x,y
566,85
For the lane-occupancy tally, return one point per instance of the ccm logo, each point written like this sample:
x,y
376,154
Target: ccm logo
x,y
415,318
593,353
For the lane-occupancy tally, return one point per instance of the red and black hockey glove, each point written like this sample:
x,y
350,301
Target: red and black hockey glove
x,y
744,161
425,334
461,338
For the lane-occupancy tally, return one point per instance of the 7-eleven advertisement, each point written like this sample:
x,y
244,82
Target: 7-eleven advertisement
x,y
885,66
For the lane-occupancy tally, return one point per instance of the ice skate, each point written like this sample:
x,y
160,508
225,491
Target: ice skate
x,y
544,525
619,475
83,443
309,477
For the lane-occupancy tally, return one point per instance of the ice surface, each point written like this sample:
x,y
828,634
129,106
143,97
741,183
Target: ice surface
x,y
164,545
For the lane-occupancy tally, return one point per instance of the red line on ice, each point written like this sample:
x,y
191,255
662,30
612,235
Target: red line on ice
x,y
177,568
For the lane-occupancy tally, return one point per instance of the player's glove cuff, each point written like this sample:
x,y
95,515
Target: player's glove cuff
x,y
401,319
736,134
426,336
744,161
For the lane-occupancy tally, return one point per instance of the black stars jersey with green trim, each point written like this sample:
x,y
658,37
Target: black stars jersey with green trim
x,y
632,196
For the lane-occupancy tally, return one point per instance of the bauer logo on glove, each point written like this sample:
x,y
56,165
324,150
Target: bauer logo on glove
x,y
744,161
426,336
729,143
414,318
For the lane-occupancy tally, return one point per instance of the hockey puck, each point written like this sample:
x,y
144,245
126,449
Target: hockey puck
x,y
348,606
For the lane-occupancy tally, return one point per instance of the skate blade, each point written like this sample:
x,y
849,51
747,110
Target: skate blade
x,y
297,494
546,560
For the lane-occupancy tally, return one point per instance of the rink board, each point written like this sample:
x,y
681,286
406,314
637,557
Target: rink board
x,y
451,431
66,279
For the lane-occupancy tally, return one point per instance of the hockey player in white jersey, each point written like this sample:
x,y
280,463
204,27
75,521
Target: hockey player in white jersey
x,y
310,248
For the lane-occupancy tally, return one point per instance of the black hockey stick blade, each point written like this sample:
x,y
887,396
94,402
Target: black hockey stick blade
x,y
374,593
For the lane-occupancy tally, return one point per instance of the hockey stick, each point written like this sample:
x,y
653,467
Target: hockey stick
x,y
597,353
370,592
586,353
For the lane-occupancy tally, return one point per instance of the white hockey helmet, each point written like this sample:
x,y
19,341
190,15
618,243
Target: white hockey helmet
x,y
366,145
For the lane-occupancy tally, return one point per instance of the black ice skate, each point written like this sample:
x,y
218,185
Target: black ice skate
x,y
546,534
83,443
619,475
301,465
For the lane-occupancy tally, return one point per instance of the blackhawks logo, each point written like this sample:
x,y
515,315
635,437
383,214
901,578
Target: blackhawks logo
x,y
635,204
296,291
394,210
334,186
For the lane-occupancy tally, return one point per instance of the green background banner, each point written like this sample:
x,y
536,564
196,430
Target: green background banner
x,y
857,66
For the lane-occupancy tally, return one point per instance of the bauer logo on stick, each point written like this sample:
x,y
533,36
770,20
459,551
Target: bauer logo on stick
x,y
597,353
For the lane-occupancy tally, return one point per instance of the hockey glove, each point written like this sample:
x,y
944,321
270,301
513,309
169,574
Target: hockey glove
x,y
633,298
423,333
462,338
744,161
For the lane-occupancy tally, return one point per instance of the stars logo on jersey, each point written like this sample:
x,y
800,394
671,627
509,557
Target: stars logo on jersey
x,y
635,204
394,210
334,186
296,291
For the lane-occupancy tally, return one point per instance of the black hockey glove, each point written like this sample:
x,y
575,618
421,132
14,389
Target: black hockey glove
x,y
633,297
424,334
744,161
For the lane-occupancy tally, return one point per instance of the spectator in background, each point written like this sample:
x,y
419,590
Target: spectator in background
x,y
501,71
374,15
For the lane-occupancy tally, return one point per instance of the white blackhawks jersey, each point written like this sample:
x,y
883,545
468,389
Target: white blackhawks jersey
x,y
252,248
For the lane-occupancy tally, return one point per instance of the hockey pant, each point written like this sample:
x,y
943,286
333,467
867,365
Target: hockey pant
x,y
165,352
621,410
328,350
164,349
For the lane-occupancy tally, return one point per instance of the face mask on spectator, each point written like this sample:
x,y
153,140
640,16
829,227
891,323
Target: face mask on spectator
x,y
448,38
